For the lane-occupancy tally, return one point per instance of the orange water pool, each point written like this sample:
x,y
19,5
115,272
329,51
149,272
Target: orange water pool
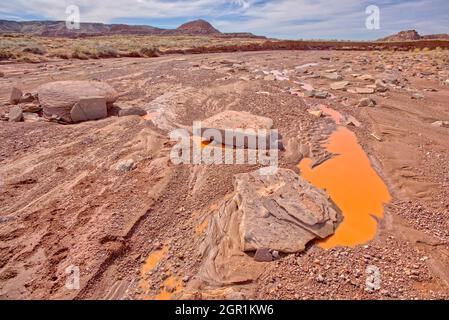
x,y
353,185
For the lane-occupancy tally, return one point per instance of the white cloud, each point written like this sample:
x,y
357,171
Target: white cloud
x,y
325,19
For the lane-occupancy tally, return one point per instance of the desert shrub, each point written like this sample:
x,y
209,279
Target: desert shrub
x,y
59,54
150,51
34,48
426,49
5,54
55,46
131,54
12,35
29,60
80,53
106,52
6,44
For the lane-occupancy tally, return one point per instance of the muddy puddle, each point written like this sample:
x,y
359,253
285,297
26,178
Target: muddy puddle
x,y
352,183
170,285
151,115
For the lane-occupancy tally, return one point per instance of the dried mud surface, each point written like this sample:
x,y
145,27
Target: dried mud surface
x,y
143,234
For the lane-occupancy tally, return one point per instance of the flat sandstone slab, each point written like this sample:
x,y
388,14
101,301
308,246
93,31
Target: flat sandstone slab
x,y
231,120
239,126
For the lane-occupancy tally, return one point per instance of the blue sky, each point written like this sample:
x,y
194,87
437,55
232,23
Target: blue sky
x,y
288,19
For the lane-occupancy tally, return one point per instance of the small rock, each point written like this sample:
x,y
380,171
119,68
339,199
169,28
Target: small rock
x,y
380,86
367,102
349,120
31,117
305,150
440,123
170,288
16,95
126,165
307,65
375,136
366,77
15,114
275,255
27,97
332,76
364,90
164,276
320,278
417,96
316,113
133,111
318,94
31,108
263,255
269,77
339,85
293,153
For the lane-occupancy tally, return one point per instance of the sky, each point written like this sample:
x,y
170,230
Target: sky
x,y
285,19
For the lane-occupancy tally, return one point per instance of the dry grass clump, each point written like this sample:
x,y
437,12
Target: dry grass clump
x,y
6,54
61,54
105,51
34,48
94,51
81,53
22,49
150,51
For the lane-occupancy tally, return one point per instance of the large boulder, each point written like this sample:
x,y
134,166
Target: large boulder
x,y
58,98
282,212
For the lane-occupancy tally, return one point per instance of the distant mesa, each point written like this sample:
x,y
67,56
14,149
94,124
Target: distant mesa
x,y
413,35
59,29
200,27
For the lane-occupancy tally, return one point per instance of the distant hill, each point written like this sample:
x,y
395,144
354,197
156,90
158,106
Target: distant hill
x,y
59,29
412,35
199,27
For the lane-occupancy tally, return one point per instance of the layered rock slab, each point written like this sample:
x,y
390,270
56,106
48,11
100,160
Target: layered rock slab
x,y
237,128
282,212
266,215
